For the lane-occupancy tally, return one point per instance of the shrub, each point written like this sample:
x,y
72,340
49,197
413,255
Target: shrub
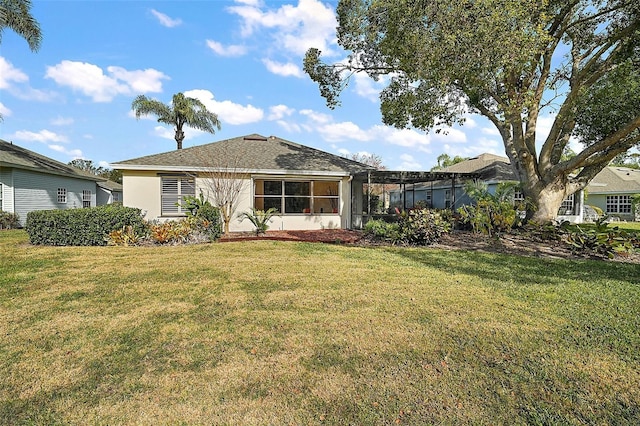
x,y
379,230
192,229
123,237
82,227
259,218
8,220
209,221
602,240
415,227
492,213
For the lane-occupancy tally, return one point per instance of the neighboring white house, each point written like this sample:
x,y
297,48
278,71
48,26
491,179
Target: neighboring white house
x,y
311,189
30,181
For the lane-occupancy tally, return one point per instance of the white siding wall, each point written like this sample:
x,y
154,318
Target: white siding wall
x,y
6,179
39,191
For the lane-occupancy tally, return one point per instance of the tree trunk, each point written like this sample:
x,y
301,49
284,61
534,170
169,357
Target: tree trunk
x,y
548,200
179,138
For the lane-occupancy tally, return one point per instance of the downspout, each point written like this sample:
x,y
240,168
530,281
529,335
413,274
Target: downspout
x,y
349,217
453,192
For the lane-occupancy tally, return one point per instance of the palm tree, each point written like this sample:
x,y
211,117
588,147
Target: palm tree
x,y
182,110
16,15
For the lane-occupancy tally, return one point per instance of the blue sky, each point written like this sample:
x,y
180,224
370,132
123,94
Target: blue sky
x,y
242,58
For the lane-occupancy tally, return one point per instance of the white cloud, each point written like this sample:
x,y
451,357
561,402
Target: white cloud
x,y
285,70
228,112
493,131
9,73
309,24
41,136
4,110
75,153
346,130
449,135
278,112
165,20
90,80
289,127
140,81
316,117
62,121
230,51
408,163
367,87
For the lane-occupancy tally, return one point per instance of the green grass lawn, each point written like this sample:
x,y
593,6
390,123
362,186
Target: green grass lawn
x,y
265,332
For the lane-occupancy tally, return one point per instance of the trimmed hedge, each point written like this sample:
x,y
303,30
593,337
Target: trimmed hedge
x,y
81,227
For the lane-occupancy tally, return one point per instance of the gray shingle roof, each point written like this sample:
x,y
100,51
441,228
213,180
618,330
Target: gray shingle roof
x,y
15,156
615,179
476,164
251,152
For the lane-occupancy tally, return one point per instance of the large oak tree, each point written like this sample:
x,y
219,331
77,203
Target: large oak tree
x,y
509,60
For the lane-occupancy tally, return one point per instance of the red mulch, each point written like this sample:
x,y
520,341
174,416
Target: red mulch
x,y
343,236
457,240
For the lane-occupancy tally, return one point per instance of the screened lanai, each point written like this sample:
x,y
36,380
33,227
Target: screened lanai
x,y
405,183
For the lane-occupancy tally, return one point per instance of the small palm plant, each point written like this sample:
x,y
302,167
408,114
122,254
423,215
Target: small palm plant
x,y
259,218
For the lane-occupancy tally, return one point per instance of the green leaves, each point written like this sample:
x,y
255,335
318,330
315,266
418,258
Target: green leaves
x,y
183,110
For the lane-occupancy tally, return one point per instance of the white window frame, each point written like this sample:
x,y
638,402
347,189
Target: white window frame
x,y
618,204
171,199
568,205
62,195
86,198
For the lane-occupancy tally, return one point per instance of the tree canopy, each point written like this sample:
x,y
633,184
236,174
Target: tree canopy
x,y
16,15
182,110
511,61
89,167
445,160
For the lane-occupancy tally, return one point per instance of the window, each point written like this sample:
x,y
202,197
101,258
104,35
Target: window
x,y
567,206
86,198
618,204
518,198
291,197
116,197
447,198
174,189
62,195
1,207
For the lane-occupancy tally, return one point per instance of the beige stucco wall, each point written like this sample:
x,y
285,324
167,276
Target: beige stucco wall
x,y
142,190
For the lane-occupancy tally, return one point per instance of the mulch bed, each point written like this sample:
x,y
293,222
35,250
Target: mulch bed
x,y
457,240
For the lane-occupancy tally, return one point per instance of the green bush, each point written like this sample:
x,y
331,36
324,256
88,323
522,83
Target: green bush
x,y
379,230
259,218
8,220
600,239
82,227
415,227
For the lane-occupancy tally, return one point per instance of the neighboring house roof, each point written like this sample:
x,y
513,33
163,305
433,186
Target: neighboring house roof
x,y
251,153
111,186
476,164
21,158
614,179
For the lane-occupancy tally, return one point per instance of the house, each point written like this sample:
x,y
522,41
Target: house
x,y
441,194
30,181
108,192
612,191
311,189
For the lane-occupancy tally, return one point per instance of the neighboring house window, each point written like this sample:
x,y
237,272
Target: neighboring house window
x,y
174,189
518,198
447,198
1,207
86,198
116,197
62,195
567,205
618,204
291,197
